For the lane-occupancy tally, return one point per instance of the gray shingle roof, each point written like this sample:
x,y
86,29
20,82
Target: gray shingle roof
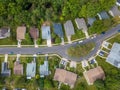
x,y
4,32
114,55
103,15
44,69
114,11
81,24
5,71
91,20
69,29
58,29
31,69
46,32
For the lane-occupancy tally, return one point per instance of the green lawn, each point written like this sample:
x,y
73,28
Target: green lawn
x,y
115,39
80,50
8,41
112,80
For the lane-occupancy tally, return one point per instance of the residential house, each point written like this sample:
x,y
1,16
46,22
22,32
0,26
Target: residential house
x,y
46,34
114,11
65,77
4,32
118,2
114,55
69,29
5,71
44,70
81,24
34,33
18,68
103,15
91,20
21,30
31,70
58,30
94,74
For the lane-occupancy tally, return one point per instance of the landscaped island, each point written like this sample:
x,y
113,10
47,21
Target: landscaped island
x,y
80,50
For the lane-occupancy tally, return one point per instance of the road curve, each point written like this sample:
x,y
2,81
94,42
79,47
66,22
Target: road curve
x,y
62,49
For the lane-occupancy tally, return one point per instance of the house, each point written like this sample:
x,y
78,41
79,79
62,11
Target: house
x,y
44,71
46,34
18,68
58,31
118,2
103,15
81,24
114,55
34,33
65,77
93,74
5,71
31,70
69,29
4,32
21,30
91,20
114,11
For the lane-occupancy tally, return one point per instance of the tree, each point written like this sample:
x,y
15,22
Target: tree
x,y
99,84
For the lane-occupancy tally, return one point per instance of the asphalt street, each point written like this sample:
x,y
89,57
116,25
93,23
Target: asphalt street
x,y
62,49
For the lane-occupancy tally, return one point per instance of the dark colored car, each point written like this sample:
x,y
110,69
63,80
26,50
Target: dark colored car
x,y
102,32
118,30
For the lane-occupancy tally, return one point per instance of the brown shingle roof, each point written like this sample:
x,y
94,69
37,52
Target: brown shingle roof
x,y
94,74
65,77
18,68
34,33
21,30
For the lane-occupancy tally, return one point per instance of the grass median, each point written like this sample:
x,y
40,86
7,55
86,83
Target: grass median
x,y
80,50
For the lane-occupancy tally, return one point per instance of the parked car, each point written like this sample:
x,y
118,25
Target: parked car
x,y
118,30
102,32
80,41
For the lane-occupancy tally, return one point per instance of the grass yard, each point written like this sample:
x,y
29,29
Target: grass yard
x,y
8,41
112,80
80,50
115,39
78,35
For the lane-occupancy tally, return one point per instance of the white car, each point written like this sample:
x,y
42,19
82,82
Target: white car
x,y
80,41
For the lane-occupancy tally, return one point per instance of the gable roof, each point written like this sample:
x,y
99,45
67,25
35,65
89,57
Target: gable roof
x,y
4,31
34,33
5,71
21,30
18,68
64,76
31,69
91,20
69,29
44,69
103,15
114,55
114,11
46,32
81,24
118,1
93,74
58,29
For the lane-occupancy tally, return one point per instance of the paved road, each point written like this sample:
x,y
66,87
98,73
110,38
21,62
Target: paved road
x,y
62,50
